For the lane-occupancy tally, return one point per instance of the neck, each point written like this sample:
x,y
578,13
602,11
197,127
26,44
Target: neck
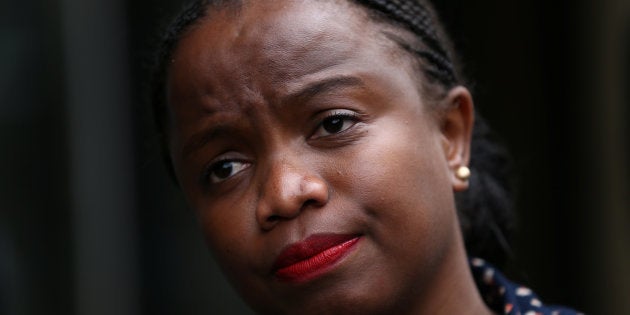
x,y
453,289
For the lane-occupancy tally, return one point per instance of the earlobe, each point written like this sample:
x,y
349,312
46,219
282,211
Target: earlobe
x,y
457,126
463,173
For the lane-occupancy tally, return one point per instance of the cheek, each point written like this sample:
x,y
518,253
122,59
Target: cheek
x,y
225,225
232,236
230,233
403,165
400,178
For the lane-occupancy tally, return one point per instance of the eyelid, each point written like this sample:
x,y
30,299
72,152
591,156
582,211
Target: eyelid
x,y
205,177
342,113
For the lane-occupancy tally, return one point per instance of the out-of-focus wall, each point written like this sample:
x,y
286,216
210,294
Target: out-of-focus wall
x,y
35,238
605,55
90,222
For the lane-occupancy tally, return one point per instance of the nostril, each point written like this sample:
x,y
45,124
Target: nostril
x,y
310,202
278,217
273,218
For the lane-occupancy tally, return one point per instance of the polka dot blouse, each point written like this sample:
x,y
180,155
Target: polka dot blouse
x,y
505,297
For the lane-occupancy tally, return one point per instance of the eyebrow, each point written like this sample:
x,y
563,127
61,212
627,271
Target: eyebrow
x,y
200,139
324,86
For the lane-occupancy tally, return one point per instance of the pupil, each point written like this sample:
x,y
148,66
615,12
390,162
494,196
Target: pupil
x,y
224,170
333,125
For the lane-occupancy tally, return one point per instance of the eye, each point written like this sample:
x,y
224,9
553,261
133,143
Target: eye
x,y
225,169
335,123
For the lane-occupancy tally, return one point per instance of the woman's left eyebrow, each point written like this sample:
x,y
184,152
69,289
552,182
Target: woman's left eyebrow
x,y
324,86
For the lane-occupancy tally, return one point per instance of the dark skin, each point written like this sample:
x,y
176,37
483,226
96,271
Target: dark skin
x,y
293,118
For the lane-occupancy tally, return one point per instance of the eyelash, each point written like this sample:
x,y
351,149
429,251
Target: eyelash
x,y
209,172
343,116
207,176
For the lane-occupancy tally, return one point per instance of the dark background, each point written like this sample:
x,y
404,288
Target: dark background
x,y
91,224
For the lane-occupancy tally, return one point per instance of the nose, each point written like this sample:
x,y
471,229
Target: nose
x,y
288,190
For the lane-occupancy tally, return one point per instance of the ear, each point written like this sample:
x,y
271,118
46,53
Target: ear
x,y
457,125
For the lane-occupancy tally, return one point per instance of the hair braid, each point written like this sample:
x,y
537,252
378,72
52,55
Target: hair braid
x,y
485,209
417,18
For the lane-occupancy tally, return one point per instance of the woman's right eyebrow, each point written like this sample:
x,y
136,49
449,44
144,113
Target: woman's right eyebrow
x,y
205,136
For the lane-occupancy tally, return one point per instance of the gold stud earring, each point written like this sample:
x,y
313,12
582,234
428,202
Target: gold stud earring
x,y
463,173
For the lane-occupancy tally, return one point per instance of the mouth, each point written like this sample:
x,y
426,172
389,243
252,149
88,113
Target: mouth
x,y
308,259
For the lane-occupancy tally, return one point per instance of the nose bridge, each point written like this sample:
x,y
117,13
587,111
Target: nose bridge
x,y
290,185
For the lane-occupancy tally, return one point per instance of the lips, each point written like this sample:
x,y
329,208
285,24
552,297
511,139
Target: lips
x,y
312,257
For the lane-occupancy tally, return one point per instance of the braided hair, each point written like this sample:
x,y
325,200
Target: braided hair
x,y
485,210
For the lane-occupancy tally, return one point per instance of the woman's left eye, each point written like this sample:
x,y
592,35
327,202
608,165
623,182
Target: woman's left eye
x,y
335,123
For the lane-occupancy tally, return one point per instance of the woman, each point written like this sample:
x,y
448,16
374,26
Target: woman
x,y
322,145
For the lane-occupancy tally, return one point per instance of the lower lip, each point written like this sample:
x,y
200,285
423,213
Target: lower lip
x,y
317,265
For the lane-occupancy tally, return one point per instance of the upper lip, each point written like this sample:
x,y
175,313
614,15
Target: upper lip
x,y
309,247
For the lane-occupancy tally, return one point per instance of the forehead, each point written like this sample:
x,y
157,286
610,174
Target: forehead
x,y
277,40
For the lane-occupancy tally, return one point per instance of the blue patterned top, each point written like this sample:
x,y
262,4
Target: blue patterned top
x,y
505,297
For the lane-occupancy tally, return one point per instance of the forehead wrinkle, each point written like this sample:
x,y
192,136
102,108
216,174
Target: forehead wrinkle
x,y
288,63
231,122
278,48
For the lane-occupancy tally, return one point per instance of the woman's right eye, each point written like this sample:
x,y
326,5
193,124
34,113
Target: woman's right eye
x,y
223,170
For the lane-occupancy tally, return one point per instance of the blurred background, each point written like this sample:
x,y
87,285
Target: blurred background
x,y
90,222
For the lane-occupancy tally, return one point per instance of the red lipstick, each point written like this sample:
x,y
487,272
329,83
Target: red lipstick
x,y
312,257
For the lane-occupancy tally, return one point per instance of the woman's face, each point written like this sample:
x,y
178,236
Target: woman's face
x,y
322,180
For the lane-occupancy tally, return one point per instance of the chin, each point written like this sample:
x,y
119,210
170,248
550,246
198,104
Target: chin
x,y
368,292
